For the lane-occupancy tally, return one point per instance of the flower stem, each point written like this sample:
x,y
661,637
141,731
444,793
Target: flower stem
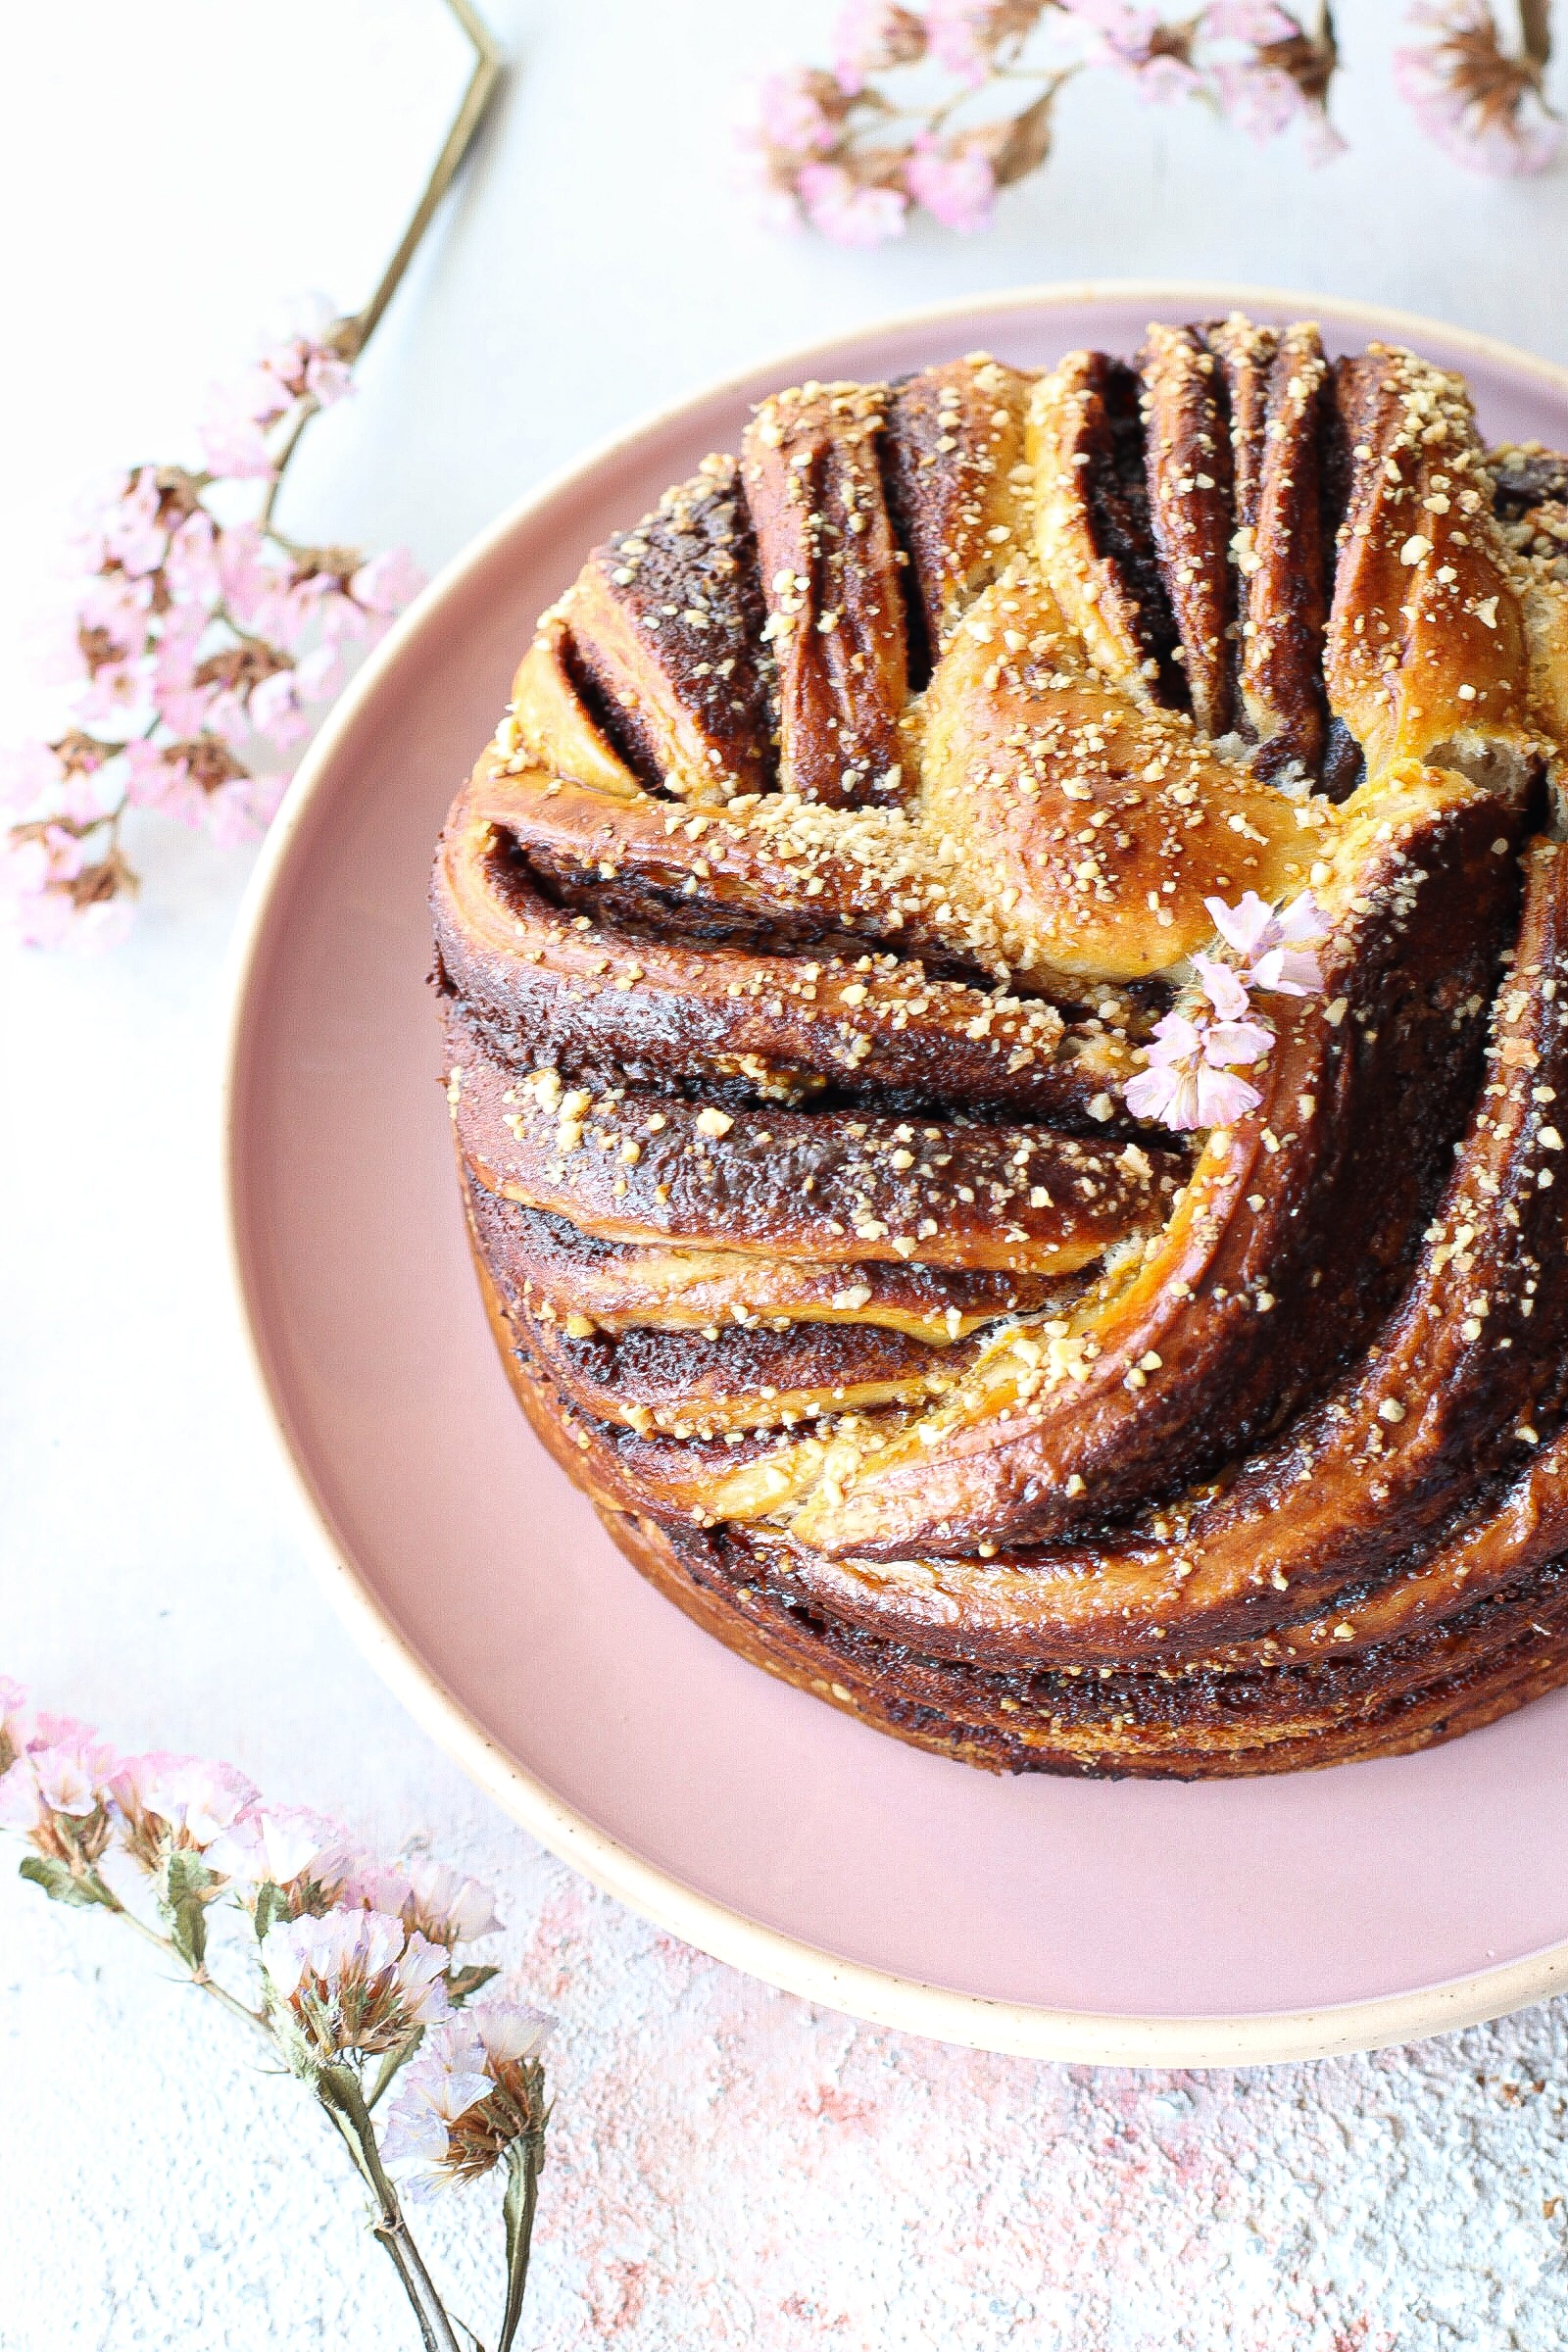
x,y
525,2158
355,334
350,335
306,409
111,1901
338,2090
1535,33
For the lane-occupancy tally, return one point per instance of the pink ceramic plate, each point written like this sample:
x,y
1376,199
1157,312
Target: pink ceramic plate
x,y
1131,1922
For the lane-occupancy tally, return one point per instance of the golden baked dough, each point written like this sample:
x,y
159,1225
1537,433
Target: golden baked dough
x,y
1001,979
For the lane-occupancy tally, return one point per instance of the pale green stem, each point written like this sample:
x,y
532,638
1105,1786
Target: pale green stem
x,y
198,1977
340,2094
524,2158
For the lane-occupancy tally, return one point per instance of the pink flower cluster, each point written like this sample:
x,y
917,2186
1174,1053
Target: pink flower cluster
x,y
1192,1078
358,1957
54,1782
203,647
842,151
1481,102
353,1980
473,2090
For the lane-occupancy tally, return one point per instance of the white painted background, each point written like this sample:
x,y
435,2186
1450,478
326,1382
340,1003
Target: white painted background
x,y
730,2167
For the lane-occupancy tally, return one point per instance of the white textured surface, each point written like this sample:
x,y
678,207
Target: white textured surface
x,y
728,2166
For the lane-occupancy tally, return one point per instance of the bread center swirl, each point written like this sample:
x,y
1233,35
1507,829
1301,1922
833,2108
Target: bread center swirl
x,y
866,818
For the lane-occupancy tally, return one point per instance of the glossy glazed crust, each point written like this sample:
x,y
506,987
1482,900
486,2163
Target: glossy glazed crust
x,y
857,815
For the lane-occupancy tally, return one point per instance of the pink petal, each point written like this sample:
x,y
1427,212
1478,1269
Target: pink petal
x,y
274,708
958,189
387,582
192,564
107,923
131,532
1245,926
956,32
1177,1105
1176,1038
117,695
1236,1041
327,376
1222,1098
846,211
1223,987
87,794
28,770
791,116
1255,20
1302,920
240,811
234,447
1290,973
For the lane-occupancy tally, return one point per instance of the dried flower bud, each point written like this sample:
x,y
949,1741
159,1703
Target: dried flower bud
x,y
429,1898
350,1981
476,2088
285,1859
1481,104
175,1803
55,1792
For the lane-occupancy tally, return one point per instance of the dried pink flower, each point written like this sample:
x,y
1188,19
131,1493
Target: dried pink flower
x,y
183,1802
476,2088
1258,22
958,187
241,809
353,1981
50,890
15,1719
387,583
1188,1083
438,1902
1158,57
1191,1080
56,1794
870,36
280,705
965,35
1225,989
197,641
305,1855
1275,947
799,113
135,533
849,153
1482,104
1280,77
848,210
343,1980
445,2083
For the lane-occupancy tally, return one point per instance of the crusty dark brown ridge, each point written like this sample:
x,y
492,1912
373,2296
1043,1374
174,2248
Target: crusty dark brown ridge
x,y
856,819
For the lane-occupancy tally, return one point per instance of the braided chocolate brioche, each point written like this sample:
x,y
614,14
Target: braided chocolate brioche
x,y
1001,995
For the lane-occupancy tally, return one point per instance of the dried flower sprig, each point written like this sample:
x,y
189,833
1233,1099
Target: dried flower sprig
x,y
354,1976
1190,1078
942,104
1483,102
935,105
205,643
